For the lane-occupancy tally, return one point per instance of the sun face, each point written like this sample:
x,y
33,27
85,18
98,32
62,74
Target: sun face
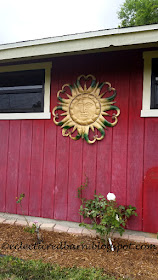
x,y
85,109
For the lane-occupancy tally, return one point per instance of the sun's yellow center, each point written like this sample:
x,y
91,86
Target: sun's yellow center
x,y
85,109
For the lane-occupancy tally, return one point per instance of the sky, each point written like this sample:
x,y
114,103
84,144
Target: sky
x,y
22,20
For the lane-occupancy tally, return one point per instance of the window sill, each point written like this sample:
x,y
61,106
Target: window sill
x,y
25,116
149,113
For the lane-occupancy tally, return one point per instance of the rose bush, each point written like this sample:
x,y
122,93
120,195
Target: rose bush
x,y
106,216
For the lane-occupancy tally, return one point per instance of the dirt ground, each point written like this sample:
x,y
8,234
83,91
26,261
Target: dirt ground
x,y
129,259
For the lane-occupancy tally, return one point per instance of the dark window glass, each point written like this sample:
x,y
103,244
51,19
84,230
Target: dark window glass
x,y
154,84
22,91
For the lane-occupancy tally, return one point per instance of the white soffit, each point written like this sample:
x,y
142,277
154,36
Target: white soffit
x,y
89,41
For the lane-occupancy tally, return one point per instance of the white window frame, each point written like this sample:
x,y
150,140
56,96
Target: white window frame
x,y
35,115
146,111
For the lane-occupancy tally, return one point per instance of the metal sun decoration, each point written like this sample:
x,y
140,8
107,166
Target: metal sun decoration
x,y
85,109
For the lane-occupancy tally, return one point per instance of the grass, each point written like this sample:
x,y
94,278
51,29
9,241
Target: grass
x,y
16,269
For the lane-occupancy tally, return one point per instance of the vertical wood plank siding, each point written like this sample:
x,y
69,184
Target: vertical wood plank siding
x,y
13,154
36,159
24,174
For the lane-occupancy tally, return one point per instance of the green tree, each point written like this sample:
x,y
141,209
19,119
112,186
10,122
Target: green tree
x,y
138,12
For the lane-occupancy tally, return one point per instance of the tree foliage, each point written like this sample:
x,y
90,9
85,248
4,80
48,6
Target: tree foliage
x,y
138,12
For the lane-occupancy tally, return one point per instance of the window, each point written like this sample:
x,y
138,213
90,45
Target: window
x,y
150,85
154,84
25,91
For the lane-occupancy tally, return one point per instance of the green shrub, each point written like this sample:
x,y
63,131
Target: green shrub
x,y
105,215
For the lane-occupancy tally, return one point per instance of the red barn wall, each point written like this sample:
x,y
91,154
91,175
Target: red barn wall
x,y
36,159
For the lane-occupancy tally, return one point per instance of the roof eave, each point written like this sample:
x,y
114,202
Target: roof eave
x,y
104,40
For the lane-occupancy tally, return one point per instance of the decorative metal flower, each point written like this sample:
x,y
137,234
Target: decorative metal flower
x,y
85,108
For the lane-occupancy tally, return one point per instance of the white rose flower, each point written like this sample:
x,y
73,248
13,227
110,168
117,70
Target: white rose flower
x,y
117,218
111,196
